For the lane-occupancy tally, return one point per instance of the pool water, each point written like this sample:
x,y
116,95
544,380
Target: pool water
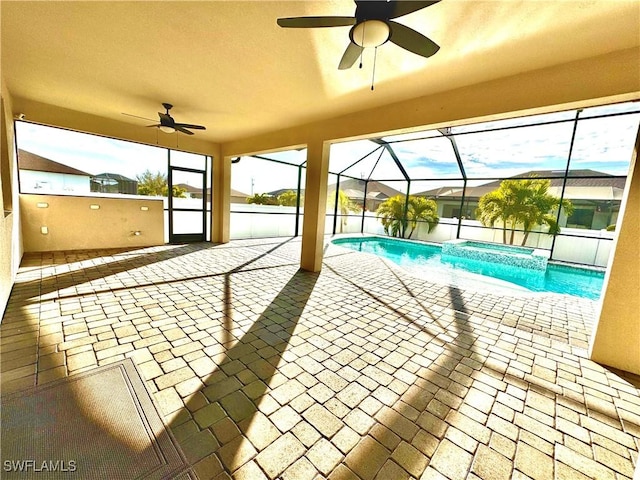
x,y
427,260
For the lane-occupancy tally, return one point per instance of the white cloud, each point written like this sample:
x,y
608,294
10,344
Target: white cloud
x,y
90,153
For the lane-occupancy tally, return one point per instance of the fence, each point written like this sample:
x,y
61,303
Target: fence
x,y
587,247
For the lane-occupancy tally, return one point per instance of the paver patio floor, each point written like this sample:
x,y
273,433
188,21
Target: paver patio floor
x,y
362,371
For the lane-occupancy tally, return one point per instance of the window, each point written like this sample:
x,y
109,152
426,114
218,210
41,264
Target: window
x,y
582,217
57,161
267,195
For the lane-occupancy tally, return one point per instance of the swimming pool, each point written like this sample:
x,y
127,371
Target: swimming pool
x,y
426,260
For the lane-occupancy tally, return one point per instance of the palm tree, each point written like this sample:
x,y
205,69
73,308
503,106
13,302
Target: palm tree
x,y
422,210
526,203
345,206
496,206
288,198
392,217
419,209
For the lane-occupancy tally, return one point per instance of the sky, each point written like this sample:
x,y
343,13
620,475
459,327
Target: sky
x,y
601,144
90,153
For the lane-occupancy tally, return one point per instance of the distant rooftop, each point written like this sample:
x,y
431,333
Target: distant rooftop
x,y
31,161
114,176
577,178
355,188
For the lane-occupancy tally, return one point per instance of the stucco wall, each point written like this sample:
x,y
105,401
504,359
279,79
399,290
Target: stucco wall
x,y
71,223
616,335
10,238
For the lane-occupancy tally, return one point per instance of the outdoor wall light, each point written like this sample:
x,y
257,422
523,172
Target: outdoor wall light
x,y
144,209
94,207
42,205
44,230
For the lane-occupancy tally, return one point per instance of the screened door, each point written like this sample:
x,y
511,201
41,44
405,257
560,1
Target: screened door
x,y
187,205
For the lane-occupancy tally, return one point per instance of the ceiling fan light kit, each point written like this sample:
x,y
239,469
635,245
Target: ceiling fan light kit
x,y
165,129
370,33
371,26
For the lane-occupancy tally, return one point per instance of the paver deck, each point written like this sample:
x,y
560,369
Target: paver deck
x,y
362,371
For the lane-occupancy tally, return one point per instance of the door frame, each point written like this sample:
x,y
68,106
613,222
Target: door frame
x,y
187,237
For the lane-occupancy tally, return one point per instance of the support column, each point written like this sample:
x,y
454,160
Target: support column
x,y
315,205
221,198
616,336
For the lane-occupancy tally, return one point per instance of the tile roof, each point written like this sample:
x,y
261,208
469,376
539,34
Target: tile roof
x,y
113,176
578,178
374,189
31,161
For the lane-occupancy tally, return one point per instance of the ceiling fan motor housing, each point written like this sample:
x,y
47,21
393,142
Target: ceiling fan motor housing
x,y
372,28
166,120
373,10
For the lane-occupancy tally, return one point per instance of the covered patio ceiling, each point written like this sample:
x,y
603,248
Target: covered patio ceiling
x,y
227,65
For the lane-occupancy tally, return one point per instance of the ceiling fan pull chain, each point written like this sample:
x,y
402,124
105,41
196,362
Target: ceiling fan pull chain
x,y
364,25
377,16
373,74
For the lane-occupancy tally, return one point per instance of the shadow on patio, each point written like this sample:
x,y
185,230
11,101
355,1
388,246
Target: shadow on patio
x,y
243,377
262,369
411,428
26,320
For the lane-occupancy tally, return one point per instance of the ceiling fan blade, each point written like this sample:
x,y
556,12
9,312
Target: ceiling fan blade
x,y
411,40
154,126
188,125
316,22
350,55
405,7
137,116
166,120
182,129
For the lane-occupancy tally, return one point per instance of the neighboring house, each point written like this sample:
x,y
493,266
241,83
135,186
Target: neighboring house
x,y
196,192
277,193
113,183
42,175
238,197
193,192
596,201
354,189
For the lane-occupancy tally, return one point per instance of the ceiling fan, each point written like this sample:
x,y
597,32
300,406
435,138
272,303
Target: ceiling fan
x,y
168,124
372,26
